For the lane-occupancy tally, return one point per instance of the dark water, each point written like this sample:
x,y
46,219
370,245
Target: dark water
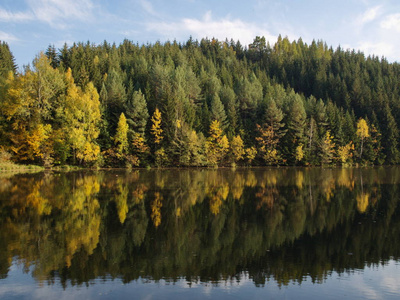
x,y
179,234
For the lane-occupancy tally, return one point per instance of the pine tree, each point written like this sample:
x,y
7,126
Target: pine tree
x,y
52,55
228,98
390,137
249,93
274,117
296,121
136,112
115,99
218,112
7,61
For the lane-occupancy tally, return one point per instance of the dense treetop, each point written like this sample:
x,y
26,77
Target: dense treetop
x,y
200,103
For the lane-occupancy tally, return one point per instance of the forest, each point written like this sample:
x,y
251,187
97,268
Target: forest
x,y
199,103
287,225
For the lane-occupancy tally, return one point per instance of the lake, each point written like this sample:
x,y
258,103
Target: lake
x,y
291,233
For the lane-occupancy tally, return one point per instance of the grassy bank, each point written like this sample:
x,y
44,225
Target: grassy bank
x,y
9,166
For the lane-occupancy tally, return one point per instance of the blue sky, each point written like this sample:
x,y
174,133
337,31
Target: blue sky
x,y
29,26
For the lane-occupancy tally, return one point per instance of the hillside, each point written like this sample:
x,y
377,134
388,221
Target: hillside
x,y
201,103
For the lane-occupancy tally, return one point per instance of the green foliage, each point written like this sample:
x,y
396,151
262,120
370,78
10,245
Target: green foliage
x,y
136,112
391,138
295,90
228,98
114,98
296,122
218,112
7,61
161,158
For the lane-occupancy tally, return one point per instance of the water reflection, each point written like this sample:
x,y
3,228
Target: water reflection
x,y
202,225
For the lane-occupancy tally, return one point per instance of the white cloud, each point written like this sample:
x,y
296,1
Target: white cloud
x,y
7,16
128,33
391,22
376,48
208,27
59,13
148,7
6,37
368,16
60,43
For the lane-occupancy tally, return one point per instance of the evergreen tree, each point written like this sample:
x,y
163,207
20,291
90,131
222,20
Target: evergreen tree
x,y
115,99
274,118
218,112
52,55
228,98
390,138
136,112
194,84
296,121
7,61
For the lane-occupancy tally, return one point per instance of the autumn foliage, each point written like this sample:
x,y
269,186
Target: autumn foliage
x,y
204,103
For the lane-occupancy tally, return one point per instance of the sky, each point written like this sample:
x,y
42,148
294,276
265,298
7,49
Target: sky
x,y
30,26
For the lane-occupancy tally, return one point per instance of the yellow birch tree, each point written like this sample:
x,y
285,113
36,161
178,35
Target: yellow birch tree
x,y
362,132
237,148
217,145
81,116
121,136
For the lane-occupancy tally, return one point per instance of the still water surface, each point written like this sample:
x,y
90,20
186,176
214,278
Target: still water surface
x,y
178,234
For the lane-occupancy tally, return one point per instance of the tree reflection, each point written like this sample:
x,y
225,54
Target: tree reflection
x,y
204,225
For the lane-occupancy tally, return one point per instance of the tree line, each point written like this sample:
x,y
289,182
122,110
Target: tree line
x,y
200,103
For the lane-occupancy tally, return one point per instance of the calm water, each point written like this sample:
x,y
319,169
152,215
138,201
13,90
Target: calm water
x,y
178,234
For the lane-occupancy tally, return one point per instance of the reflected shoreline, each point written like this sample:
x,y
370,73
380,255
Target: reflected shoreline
x,y
279,224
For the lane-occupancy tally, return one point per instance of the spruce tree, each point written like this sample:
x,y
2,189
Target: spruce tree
x,y
218,112
7,61
136,112
390,137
